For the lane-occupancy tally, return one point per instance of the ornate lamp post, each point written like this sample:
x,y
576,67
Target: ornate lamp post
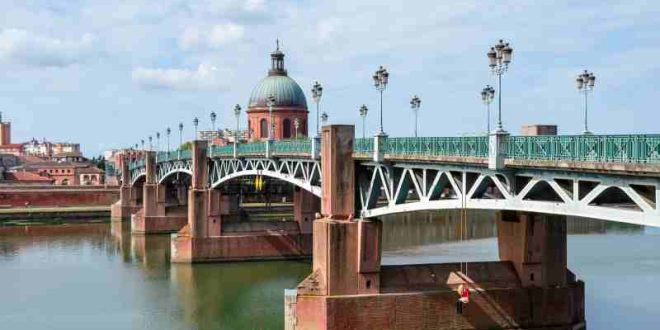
x,y
168,131
296,125
381,77
151,146
499,57
213,117
180,135
363,114
195,123
585,84
158,141
270,102
317,91
142,142
237,114
324,118
487,96
414,105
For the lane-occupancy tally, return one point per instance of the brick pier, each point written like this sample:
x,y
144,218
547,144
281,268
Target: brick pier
x,y
530,288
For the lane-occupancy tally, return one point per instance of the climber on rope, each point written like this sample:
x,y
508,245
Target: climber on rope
x,y
464,293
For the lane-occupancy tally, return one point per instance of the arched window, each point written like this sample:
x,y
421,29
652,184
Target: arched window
x,y
263,128
286,129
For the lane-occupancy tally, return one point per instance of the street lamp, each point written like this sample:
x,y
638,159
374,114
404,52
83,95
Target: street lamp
x,y
195,123
414,105
270,102
487,96
142,142
180,135
381,77
296,124
499,57
363,114
585,84
317,91
158,141
237,113
151,146
213,117
324,118
168,131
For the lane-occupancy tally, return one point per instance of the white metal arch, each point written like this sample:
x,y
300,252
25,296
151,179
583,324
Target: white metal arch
x,y
396,188
304,173
164,176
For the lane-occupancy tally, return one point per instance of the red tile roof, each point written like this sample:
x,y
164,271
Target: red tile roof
x,y
25,176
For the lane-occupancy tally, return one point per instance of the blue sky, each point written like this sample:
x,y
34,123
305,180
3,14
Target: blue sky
x,y
109,73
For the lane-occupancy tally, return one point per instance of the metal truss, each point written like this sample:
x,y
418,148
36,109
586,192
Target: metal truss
x,y
137,173
405,187
302,172
166,168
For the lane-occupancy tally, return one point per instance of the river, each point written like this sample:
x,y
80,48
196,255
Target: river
x,y
98,276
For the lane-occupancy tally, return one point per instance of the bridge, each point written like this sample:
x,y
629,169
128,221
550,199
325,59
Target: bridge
x,y
533,182
609,177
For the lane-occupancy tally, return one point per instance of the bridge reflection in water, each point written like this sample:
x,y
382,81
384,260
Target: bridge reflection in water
x,y
132,284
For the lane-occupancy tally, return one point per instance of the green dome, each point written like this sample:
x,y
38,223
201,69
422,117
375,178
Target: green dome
x,y
286,91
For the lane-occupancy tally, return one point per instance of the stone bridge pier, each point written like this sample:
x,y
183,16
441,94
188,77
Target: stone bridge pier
x,y
128,196
152,217
213,234
529,288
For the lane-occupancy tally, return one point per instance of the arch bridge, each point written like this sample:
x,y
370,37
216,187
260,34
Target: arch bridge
x,y
609,177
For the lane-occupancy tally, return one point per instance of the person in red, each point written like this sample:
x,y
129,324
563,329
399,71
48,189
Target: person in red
x,y
464,292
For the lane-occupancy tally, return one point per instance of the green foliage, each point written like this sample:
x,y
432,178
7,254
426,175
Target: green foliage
x,y
186,146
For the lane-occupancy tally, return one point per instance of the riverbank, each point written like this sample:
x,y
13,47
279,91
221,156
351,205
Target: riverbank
x,y
20,216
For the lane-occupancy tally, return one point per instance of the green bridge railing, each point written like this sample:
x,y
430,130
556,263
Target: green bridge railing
x,y
470,146
586,148
580,148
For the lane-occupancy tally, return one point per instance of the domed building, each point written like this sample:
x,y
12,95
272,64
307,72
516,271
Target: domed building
x,y
290,104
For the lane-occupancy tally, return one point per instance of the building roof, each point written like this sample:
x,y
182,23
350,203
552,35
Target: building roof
x,y
26,176
11,146
286,91
89,170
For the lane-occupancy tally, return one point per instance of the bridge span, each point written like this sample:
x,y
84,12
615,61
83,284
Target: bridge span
x,y
608,177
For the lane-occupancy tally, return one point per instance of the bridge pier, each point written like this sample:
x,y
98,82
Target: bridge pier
x,y
305,207
126,205
350,289
209,238
152,217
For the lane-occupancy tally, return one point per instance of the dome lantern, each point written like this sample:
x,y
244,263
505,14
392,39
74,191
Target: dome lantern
x,y
277,59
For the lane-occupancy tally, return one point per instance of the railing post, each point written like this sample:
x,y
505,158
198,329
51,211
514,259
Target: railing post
x,y
380,143
269,148
497,150
316,147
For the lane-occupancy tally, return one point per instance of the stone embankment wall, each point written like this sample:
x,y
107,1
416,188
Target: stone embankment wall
x,y
49,196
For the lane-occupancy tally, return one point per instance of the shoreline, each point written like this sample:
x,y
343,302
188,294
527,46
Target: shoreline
x,y
9,216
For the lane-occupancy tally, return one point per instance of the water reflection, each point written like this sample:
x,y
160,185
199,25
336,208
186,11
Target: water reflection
x,y
434,227
112,279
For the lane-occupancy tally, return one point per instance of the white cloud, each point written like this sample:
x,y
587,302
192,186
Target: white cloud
x,y
215,37
254,5
204,77
21,46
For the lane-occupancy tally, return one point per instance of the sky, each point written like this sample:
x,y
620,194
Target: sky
x,y
109,73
